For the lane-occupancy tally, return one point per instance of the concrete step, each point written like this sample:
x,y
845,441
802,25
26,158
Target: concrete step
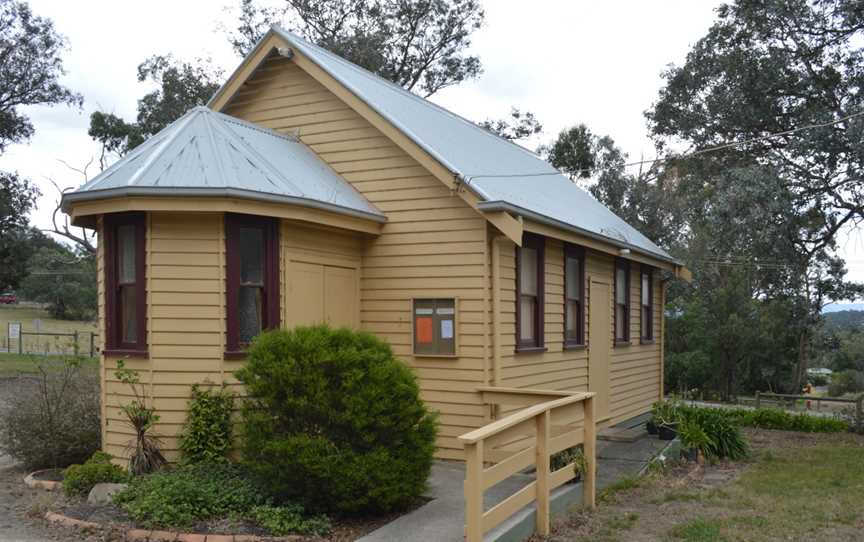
x,y
622,434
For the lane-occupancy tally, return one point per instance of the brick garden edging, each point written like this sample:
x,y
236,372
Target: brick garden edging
x,y
33,483
143,535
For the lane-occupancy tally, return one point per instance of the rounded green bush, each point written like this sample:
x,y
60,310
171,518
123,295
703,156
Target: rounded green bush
x,y
80,479
334,421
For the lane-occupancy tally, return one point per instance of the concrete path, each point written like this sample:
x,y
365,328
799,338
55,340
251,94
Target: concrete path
x,y
442,519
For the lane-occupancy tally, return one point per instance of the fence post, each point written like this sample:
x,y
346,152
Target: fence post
x,y
859,413
92,343
589,448
474,491
543,423
758,401
75,348
20,342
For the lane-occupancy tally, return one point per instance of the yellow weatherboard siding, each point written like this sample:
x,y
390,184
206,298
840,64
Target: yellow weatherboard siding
x,y
433,244
347,271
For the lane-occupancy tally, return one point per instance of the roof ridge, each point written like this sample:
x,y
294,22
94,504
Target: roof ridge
x,y
363,71
252,126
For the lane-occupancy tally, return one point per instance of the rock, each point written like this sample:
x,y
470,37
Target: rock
x,y
102,493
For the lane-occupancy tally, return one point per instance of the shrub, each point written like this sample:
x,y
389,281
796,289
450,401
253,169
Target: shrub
x,y
80,479
848,381
144,454
207,435
714,432
772,418
334,421
181,497
55,421
573,455
819,380
284,520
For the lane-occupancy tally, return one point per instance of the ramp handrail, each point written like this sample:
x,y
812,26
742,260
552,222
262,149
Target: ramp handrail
x,y
539,423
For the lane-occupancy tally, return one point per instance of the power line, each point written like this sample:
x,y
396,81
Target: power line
x,y
690,154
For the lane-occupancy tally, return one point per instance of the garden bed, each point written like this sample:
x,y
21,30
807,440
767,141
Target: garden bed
x,y
111,517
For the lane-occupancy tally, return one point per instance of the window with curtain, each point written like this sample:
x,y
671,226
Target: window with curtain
x,y
252,268
647,304
622,301
125,303
574,294
530,287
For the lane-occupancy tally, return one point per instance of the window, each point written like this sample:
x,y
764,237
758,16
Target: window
x,y
435,327
622,301
252,278
574,293
125,294
647,303
529,287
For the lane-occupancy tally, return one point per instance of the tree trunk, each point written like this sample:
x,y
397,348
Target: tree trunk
x,y
801,367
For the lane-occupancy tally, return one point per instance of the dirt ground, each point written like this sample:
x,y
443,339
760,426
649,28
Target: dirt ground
x,y
795,486
22,509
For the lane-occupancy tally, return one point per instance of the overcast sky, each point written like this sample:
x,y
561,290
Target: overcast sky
x,y
597,62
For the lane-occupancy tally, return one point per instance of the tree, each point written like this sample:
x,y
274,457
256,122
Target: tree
x,y
30,68
182,86
775,66
521,125
418,44
17,199
647,199
65,280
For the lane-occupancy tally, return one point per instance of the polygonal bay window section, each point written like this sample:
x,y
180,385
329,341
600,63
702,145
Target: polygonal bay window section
x,y
125,291
252,279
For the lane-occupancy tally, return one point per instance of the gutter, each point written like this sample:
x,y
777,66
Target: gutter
x,y
543,219
209,192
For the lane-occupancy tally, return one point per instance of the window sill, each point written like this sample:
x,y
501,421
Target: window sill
x,y
437,356
622,342
235,354
647,341
530,349
575,346
125,353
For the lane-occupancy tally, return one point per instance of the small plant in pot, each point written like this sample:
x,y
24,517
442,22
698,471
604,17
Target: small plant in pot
x,y
651,424
694,441
666,415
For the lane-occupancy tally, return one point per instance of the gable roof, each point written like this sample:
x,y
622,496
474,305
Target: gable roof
x,y
504,175
205,153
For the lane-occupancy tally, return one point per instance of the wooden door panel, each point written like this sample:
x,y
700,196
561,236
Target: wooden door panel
x,y
305,294
340,297
599,345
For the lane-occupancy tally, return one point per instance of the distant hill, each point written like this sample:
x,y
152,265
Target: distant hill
x,y
844,319
837,307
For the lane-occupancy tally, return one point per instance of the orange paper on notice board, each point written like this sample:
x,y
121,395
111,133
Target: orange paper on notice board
x,y
424,329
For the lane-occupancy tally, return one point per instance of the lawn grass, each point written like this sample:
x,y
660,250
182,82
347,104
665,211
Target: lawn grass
x,y
794,486
26,314
15,364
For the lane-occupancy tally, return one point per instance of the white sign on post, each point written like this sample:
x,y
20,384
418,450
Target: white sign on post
x,y
15,330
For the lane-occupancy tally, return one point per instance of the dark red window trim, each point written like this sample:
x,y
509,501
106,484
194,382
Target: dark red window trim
x,y
625,265
647,334
114,344
270,299
538,243
578,253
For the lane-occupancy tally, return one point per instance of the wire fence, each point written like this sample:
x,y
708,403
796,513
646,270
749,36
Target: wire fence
x,y
51,343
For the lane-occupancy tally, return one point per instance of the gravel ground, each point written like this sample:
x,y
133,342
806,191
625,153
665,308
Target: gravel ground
x,y
22,508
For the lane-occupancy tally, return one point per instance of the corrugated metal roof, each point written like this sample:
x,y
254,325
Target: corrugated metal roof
x,y
500,172
205,153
